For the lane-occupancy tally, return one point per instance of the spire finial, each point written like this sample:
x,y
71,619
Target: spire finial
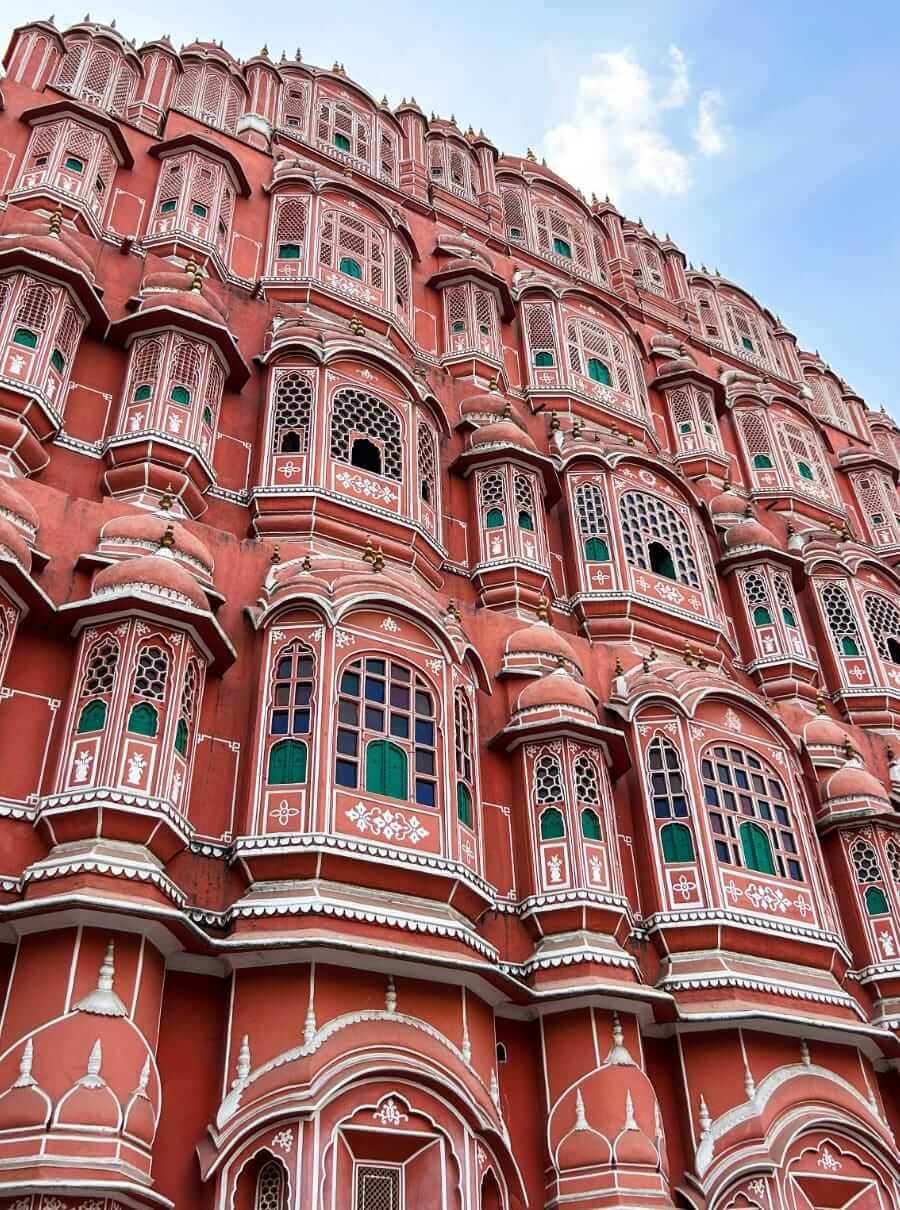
x,y
542,610
242,1067
167,541
56,221
630,1123
580,1119
804,1053
144,1078
749,1082
103,1001
26,1080
95,1061
276,555
390,996
704,1118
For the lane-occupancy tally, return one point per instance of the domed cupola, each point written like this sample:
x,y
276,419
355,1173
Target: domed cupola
x,y
825,739
727,508
24,1104
750,535
539,648
19,511
852,791
556,697
162,579
142,533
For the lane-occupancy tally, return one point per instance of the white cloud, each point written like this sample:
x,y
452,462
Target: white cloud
x,y
709,134
617,139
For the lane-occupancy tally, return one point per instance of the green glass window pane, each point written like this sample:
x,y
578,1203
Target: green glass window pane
x,y
590,825
199,210
762,462
543,359
57,361
386,769
756,849
180,395
848,646
143,719
562,248
805,470
677,842
342,142
287,763
598,371
142,393
747,343
494,519
350,266
25,337
552,825
74,164
181,734
168,207
876,901
288,251
788,617
515,233
463,804
207,417
761,616
93,717
526,521
459,326
596,551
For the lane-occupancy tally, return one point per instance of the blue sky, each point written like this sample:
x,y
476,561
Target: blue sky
x,y
764,137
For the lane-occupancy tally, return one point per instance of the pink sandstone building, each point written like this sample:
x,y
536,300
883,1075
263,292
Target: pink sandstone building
x,y
450,663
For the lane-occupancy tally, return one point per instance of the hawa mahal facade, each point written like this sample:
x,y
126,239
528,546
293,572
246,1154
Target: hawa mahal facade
x,y
450,663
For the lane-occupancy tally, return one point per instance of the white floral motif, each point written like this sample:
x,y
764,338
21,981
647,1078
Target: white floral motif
x,y
366,487
82,764
596,868
283,1139
888,948
289,469
343,638
554,868
390,626
283,813
757,1187
857,673
389,825
389,1113
137,763
480,1156
668,592
436,665
467,851
684,887
732,722
828,1161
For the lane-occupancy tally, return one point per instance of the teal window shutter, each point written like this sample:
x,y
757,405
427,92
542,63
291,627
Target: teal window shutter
x,y
805,470
143,719
599,371
562,248
543,359
590,825
762,462
74,164
747,343
494,519
552,825
876,901
596,551
788,616
181,735
386,769
526,521
180,395
288,251
57,361
25,337
93,717
142,394
287,763
199,210
756,849
761,616
849,646
661,561
350,266
168,206
677,842
341,142
463,804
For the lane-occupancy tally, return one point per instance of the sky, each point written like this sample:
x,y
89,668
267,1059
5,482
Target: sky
x,y
762,137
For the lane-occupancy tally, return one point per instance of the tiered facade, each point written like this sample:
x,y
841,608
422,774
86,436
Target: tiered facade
x,y
450,662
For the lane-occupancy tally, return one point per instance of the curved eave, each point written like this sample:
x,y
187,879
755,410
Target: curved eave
x,y
664,380
92,117
200,622
464,270
851,459
611,740
67,275
154,319
501,451
28,595
733,559
211,147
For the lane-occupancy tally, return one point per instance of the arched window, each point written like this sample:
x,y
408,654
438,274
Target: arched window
x,y
350,266
387,721
290,236
667,785
876,901
287,763
600,354
344,128
151,673
290,421
841,618
587,783
547,776
270,1187
525,502
426,460
184,375
290,702
677,842
738,784
656,538
590,824
97,683
188,709
884,624
353,246
465,749
543,358
591,514
357,417
552,824
865,862
785,595
143,719
92,717
493,500
598,371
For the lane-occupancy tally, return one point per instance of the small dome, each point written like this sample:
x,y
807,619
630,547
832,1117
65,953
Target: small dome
x,y
823,732
12,540
853,781
483,403
749,532
153,530
542,640
15,508
156,574
177,290
634,1147
583,1148
502,432
558,690
727,504
24,229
